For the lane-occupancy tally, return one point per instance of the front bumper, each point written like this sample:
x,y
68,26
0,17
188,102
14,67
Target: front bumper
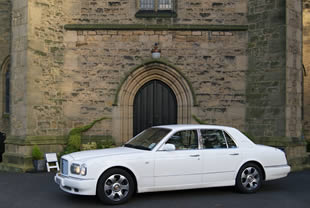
x,y
76,185
276,172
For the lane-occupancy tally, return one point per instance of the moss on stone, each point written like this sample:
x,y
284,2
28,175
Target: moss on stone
x,y
75,137
40,53
198,120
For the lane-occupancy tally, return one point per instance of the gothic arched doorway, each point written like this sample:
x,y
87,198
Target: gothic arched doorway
x,y
154,104
138,77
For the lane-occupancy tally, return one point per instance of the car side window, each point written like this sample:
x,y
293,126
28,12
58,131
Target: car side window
x,y
213,139
184,140
230,141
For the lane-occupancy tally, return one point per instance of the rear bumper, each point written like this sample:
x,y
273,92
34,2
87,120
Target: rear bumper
x,y
75,185
276,172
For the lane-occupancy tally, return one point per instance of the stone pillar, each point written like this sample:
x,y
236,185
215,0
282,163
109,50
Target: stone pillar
x,y
5,37
274,82
266,74
36,58
306,62
294,75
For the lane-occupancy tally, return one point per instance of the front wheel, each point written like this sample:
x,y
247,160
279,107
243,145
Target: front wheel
x,y
115,186
249,178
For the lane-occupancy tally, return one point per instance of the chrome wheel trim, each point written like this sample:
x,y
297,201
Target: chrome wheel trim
x,y
250,178
116,187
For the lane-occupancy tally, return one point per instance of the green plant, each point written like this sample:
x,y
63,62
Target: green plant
x,y
89,146
105,144
75,136
36,153
198,120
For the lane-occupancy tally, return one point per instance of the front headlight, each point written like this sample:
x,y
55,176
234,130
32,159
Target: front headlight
x,y
78,169
75,169
83,169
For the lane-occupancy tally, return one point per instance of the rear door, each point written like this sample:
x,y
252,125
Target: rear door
x,y
221,157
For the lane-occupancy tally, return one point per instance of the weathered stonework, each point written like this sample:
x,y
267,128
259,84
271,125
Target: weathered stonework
x,y
105,62
266,74
188,12
294,70
4,56
274,86
306,62
75,61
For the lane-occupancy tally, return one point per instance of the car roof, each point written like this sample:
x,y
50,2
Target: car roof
x,y
193,126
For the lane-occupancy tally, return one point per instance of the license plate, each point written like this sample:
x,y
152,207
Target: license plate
x,y
58,181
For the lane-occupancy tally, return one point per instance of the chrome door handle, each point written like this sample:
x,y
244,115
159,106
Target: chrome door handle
x,y
194,155
234,154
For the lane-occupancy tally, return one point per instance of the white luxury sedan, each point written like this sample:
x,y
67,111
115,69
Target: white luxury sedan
x,y
172,157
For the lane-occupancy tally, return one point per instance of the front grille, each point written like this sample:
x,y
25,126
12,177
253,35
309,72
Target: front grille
x,y
64,166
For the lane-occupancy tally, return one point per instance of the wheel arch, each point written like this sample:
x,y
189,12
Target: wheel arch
x,y
123,168
256,163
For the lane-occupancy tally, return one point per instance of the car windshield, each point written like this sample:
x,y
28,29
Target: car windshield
x,y
148,139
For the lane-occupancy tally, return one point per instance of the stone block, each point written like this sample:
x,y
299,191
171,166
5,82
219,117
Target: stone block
x,y
70,36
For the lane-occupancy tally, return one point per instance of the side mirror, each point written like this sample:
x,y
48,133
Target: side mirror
x,y
168,147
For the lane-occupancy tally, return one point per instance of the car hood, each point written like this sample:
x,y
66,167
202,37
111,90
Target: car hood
x,y
104,153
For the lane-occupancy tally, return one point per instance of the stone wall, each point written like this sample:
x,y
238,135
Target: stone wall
x,y
18,117
5,36
188,12
266,77
64,79
294,70
73,94
4,29
274,79
306,62
96,61
45,67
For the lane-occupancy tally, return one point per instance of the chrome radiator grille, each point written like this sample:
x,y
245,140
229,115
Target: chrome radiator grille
x,y
64,166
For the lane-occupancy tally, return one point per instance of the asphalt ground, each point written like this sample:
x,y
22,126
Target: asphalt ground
x,y
23,190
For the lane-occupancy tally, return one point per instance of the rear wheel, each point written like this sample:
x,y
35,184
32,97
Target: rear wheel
x,y
115,186
249,178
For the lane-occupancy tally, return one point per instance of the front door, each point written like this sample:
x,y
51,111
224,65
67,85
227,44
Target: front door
x,y
154,104
181,168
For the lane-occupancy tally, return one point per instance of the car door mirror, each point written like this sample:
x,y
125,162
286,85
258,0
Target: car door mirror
x,y
168,147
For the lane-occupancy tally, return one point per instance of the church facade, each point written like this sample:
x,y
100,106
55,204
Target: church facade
x,y
67,63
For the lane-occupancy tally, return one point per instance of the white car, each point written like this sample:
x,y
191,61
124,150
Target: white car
x,y
172,157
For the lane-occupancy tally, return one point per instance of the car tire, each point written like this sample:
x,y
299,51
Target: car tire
x,y
115,186
249,178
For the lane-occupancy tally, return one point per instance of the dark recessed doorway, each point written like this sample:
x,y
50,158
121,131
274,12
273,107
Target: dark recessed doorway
x,y
154,104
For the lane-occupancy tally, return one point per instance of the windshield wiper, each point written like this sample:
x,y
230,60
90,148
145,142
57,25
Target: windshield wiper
x,y
136,146
129,145
141,147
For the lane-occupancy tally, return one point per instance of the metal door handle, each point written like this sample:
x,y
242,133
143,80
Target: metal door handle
x,y
194,155
234,154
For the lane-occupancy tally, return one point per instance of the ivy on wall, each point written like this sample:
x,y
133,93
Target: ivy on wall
x,y
75,137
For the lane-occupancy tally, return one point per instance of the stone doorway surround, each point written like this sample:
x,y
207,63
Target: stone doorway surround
x,y
123,106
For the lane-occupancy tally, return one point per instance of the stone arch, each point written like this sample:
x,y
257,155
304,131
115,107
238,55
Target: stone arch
x,y
3,70
123,108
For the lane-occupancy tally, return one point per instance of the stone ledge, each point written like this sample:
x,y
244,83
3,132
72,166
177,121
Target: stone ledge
x,y
39,140
155,27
